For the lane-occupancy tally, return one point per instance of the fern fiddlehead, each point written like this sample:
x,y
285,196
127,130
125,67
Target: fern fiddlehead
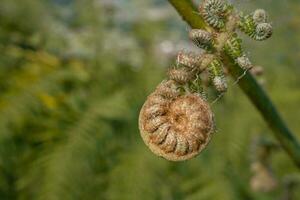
x,y
214,12
175,128
176,121
260,16
181,75
255,25
201,38
189,60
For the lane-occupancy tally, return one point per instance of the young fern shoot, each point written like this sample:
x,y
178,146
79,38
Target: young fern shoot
x,y
176,121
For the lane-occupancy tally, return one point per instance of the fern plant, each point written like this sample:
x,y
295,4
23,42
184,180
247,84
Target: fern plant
x,y
70,99
215,13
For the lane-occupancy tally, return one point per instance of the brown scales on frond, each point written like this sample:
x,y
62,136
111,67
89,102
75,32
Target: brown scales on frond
x,y
183,130
181,75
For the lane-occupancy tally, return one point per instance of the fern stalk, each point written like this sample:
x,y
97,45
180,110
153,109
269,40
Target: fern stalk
x,y
249,85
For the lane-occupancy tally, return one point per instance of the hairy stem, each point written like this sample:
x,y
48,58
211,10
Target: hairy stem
x,y
249,85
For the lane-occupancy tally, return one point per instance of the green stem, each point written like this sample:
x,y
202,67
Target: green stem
x,y
249,85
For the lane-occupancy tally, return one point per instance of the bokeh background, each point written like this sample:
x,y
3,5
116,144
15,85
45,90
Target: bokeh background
x,y
73,76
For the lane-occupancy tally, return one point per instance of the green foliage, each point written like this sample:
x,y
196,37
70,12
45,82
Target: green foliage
x,y
73,76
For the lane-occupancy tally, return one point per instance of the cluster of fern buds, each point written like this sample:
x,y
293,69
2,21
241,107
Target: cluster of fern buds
x,y
218,40
176,121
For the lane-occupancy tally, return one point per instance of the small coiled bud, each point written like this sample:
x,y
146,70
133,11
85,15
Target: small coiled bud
x,y
181,75
220,83
189,60
213,12
257,31
263,31
215,69
244,62
182,131
260,16
201,38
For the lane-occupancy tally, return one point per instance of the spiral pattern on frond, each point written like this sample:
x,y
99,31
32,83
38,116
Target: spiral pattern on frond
x,y
201,38
213,12
257,31
263,31
175,128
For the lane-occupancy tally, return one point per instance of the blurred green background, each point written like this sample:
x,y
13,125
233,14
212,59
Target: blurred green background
x,y
73,76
